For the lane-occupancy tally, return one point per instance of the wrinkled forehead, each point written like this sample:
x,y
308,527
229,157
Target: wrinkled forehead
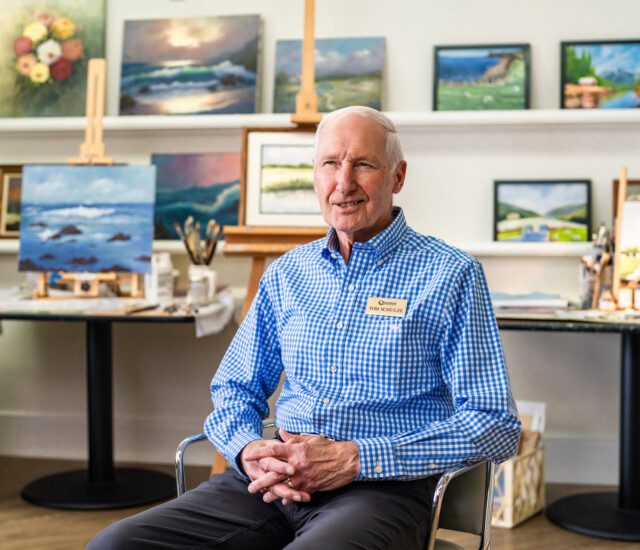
x,y
352,134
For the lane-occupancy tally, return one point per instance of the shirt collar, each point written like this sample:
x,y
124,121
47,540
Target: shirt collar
x,y
383,244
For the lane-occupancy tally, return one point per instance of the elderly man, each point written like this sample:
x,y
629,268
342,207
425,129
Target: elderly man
x,y
394,372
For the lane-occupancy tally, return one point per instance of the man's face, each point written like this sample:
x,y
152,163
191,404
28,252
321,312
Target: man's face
x,y
353,179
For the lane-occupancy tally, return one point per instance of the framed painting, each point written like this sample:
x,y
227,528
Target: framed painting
x,y
601,74
87,218
196,65
10,191
542,210
481,77
45,46
349,71
630,242
201,185
633,193
277,179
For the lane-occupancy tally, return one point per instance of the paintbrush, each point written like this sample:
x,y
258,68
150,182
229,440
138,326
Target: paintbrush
x,y
183,238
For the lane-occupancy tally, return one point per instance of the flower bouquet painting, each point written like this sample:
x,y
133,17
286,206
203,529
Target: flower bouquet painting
x,y
44,52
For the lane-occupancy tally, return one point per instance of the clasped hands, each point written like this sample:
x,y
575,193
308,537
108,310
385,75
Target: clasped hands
x,y
300,466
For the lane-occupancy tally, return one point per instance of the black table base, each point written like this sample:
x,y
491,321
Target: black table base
x,y
596,515
73,490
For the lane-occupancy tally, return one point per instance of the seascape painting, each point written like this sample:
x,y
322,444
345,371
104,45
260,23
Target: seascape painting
x,y
10,212
600,75
202,185
349,71
286,180
45,46
87,218
197,65
630,241
481,77
542,211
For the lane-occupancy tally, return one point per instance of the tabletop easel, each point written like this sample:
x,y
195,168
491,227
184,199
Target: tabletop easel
x,y
92,152
259,243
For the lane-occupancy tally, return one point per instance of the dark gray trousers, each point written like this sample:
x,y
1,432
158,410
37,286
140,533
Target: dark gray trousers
x,y
221,513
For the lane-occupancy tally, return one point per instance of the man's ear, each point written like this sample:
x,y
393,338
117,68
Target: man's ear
x,y
399,176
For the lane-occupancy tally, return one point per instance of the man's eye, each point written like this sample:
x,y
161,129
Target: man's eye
x,y
329,162
363,164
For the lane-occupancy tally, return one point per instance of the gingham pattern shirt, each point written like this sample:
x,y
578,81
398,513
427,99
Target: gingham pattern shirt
x,y
417,394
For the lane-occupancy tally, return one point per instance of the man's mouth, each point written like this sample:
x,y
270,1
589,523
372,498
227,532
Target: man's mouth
x,y
347,204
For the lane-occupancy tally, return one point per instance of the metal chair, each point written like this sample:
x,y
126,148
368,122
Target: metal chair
x,y
465,507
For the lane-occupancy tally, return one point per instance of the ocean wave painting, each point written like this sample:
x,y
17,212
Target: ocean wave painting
x,y
87,218
198,65
201,185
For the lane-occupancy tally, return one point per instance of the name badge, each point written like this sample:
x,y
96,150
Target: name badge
x,y
387,307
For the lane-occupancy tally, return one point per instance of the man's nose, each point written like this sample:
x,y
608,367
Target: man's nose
x,y
344,179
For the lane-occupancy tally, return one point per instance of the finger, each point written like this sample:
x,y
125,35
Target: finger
x,y
265,481
278,450
271,464
284,491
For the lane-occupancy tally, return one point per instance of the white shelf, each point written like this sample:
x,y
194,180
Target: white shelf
x,y
480,248
409,121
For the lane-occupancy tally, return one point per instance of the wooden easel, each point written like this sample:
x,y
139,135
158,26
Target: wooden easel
x,y
92,150
622,195
259,243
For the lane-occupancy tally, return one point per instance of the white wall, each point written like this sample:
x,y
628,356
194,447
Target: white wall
x,y
161,373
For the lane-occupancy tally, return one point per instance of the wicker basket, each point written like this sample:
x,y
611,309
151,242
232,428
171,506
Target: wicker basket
x,y
519,489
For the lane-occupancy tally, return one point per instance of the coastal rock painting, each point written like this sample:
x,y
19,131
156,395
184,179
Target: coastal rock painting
x,y
199,65
87,218
202,185
602,75
349,71
542,211
481,77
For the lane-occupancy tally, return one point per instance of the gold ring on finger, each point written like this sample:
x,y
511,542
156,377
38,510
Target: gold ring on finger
x,y
290,483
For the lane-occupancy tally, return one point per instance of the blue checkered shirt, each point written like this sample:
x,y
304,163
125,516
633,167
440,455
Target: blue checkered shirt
x,y
417,394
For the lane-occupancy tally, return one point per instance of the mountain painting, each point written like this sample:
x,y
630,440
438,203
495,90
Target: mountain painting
x,y
202,185
199,65
601,75
87,218
542,211
349,71
470,78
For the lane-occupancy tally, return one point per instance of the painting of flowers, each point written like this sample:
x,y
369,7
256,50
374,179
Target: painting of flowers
x,y
349,71
87,218
44,51
542,211
481,77
201,185
600,75
198,65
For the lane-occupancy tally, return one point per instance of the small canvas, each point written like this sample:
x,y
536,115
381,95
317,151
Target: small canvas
x,y
542,211
349,71
600,75
45,46
196,65
87,218
202,185
630,241
10,213
481,77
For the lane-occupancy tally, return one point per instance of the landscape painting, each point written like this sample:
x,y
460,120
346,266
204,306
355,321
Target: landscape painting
x,y
10,212
45,46
202,185
349,71
481,77
600,75
630,241
87,218
542,211
197,65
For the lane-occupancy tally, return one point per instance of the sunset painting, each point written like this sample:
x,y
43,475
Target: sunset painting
x,y
198,65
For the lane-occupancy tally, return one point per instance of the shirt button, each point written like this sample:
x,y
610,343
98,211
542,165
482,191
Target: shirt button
x,y
334,368
351,287
339,324
433,465
378,468
379,262
325,400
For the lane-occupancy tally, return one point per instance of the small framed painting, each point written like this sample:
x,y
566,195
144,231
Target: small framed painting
x,y
630,241
10,191
633,194
481,77
277,179
542,210
600,74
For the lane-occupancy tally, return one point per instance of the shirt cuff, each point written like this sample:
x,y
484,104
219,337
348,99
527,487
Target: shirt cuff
x,y
234,448
377,459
